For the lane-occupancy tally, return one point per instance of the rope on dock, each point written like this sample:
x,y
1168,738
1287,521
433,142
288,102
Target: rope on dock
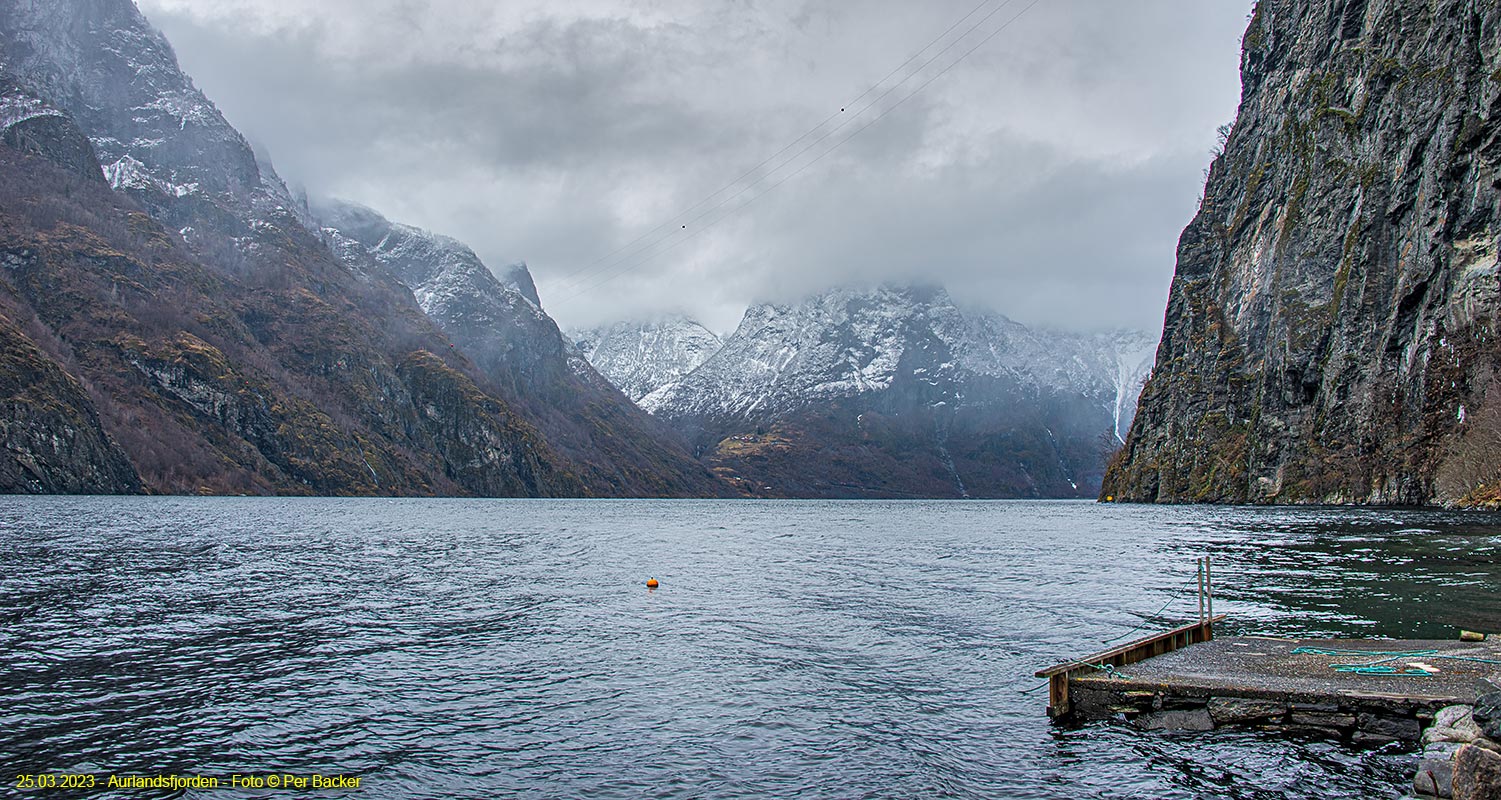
x,y
1380,665
1145,620
1109,669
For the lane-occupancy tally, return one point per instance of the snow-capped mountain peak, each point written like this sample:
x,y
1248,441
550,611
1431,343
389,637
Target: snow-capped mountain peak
x,y
640,358
847,342
439,269
148,122
887,389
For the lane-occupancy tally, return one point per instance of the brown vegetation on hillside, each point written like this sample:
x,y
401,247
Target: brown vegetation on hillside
x,y
276,373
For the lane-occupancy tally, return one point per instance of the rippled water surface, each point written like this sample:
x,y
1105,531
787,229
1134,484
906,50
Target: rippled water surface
x,y
475,648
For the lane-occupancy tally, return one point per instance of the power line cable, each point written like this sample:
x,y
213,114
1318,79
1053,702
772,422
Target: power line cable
x,y
627,265
611,257
787,147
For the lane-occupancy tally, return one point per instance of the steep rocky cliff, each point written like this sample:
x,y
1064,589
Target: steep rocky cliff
x,y
30,124
614,447
53,442
1331,329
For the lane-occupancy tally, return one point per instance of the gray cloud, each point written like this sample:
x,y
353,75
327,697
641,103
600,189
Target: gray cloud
x,y
1047,176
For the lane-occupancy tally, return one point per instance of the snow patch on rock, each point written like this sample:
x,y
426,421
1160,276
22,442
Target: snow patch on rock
x,y
641,358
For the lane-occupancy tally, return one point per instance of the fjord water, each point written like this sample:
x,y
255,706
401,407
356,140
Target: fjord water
x,y
468,648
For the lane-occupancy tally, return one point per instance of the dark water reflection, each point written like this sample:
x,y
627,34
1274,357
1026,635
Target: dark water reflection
x,y
508,648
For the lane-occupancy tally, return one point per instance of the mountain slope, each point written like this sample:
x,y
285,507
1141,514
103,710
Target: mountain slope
x,y
176,359
897,392
53,440
223,344
1331,330
640,358
614,446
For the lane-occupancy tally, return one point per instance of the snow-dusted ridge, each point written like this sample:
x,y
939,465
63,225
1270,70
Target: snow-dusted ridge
x,y
848,342
892,391
441,271
640,358
154,131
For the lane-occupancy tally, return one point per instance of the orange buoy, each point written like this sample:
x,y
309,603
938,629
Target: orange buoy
x,y
651,583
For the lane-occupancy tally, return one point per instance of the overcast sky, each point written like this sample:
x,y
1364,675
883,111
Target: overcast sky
x,y
1046,176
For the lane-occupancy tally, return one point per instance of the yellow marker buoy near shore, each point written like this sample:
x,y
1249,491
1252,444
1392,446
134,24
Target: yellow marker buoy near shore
x,y
651,583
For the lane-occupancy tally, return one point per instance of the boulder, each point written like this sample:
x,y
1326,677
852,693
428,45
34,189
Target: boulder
x,y
1195,720
1442,751
1449,716
1477,774
1435,778
1226,710
1442,734
1487,714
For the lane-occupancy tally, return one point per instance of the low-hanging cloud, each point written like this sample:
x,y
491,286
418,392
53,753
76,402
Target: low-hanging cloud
x,y
1046,176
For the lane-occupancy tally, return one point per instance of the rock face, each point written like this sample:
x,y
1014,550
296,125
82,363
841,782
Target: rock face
x,y
214,338
53,440
1487,715
488,442
614,447
1477,774
29,124
641,358
1331,329
891,392
499,321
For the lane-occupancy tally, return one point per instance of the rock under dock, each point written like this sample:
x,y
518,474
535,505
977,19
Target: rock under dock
x,y
1354,690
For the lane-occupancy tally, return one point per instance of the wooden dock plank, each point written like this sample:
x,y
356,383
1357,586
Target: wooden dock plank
x,y
1105,656
1060,676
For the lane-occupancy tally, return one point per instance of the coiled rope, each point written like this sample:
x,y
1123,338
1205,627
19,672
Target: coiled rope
x,y
1108,669
1381,666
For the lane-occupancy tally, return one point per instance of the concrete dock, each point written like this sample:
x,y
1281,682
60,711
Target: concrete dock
x,y
1370,691
1289,684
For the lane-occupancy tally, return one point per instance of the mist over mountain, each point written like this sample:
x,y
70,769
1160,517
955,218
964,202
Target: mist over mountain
x,y
202,334
497,320
205,328
1046,175
642,357
893,391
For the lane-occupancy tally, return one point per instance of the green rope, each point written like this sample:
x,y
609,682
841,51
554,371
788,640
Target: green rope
x,y
1109,669
1380,665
